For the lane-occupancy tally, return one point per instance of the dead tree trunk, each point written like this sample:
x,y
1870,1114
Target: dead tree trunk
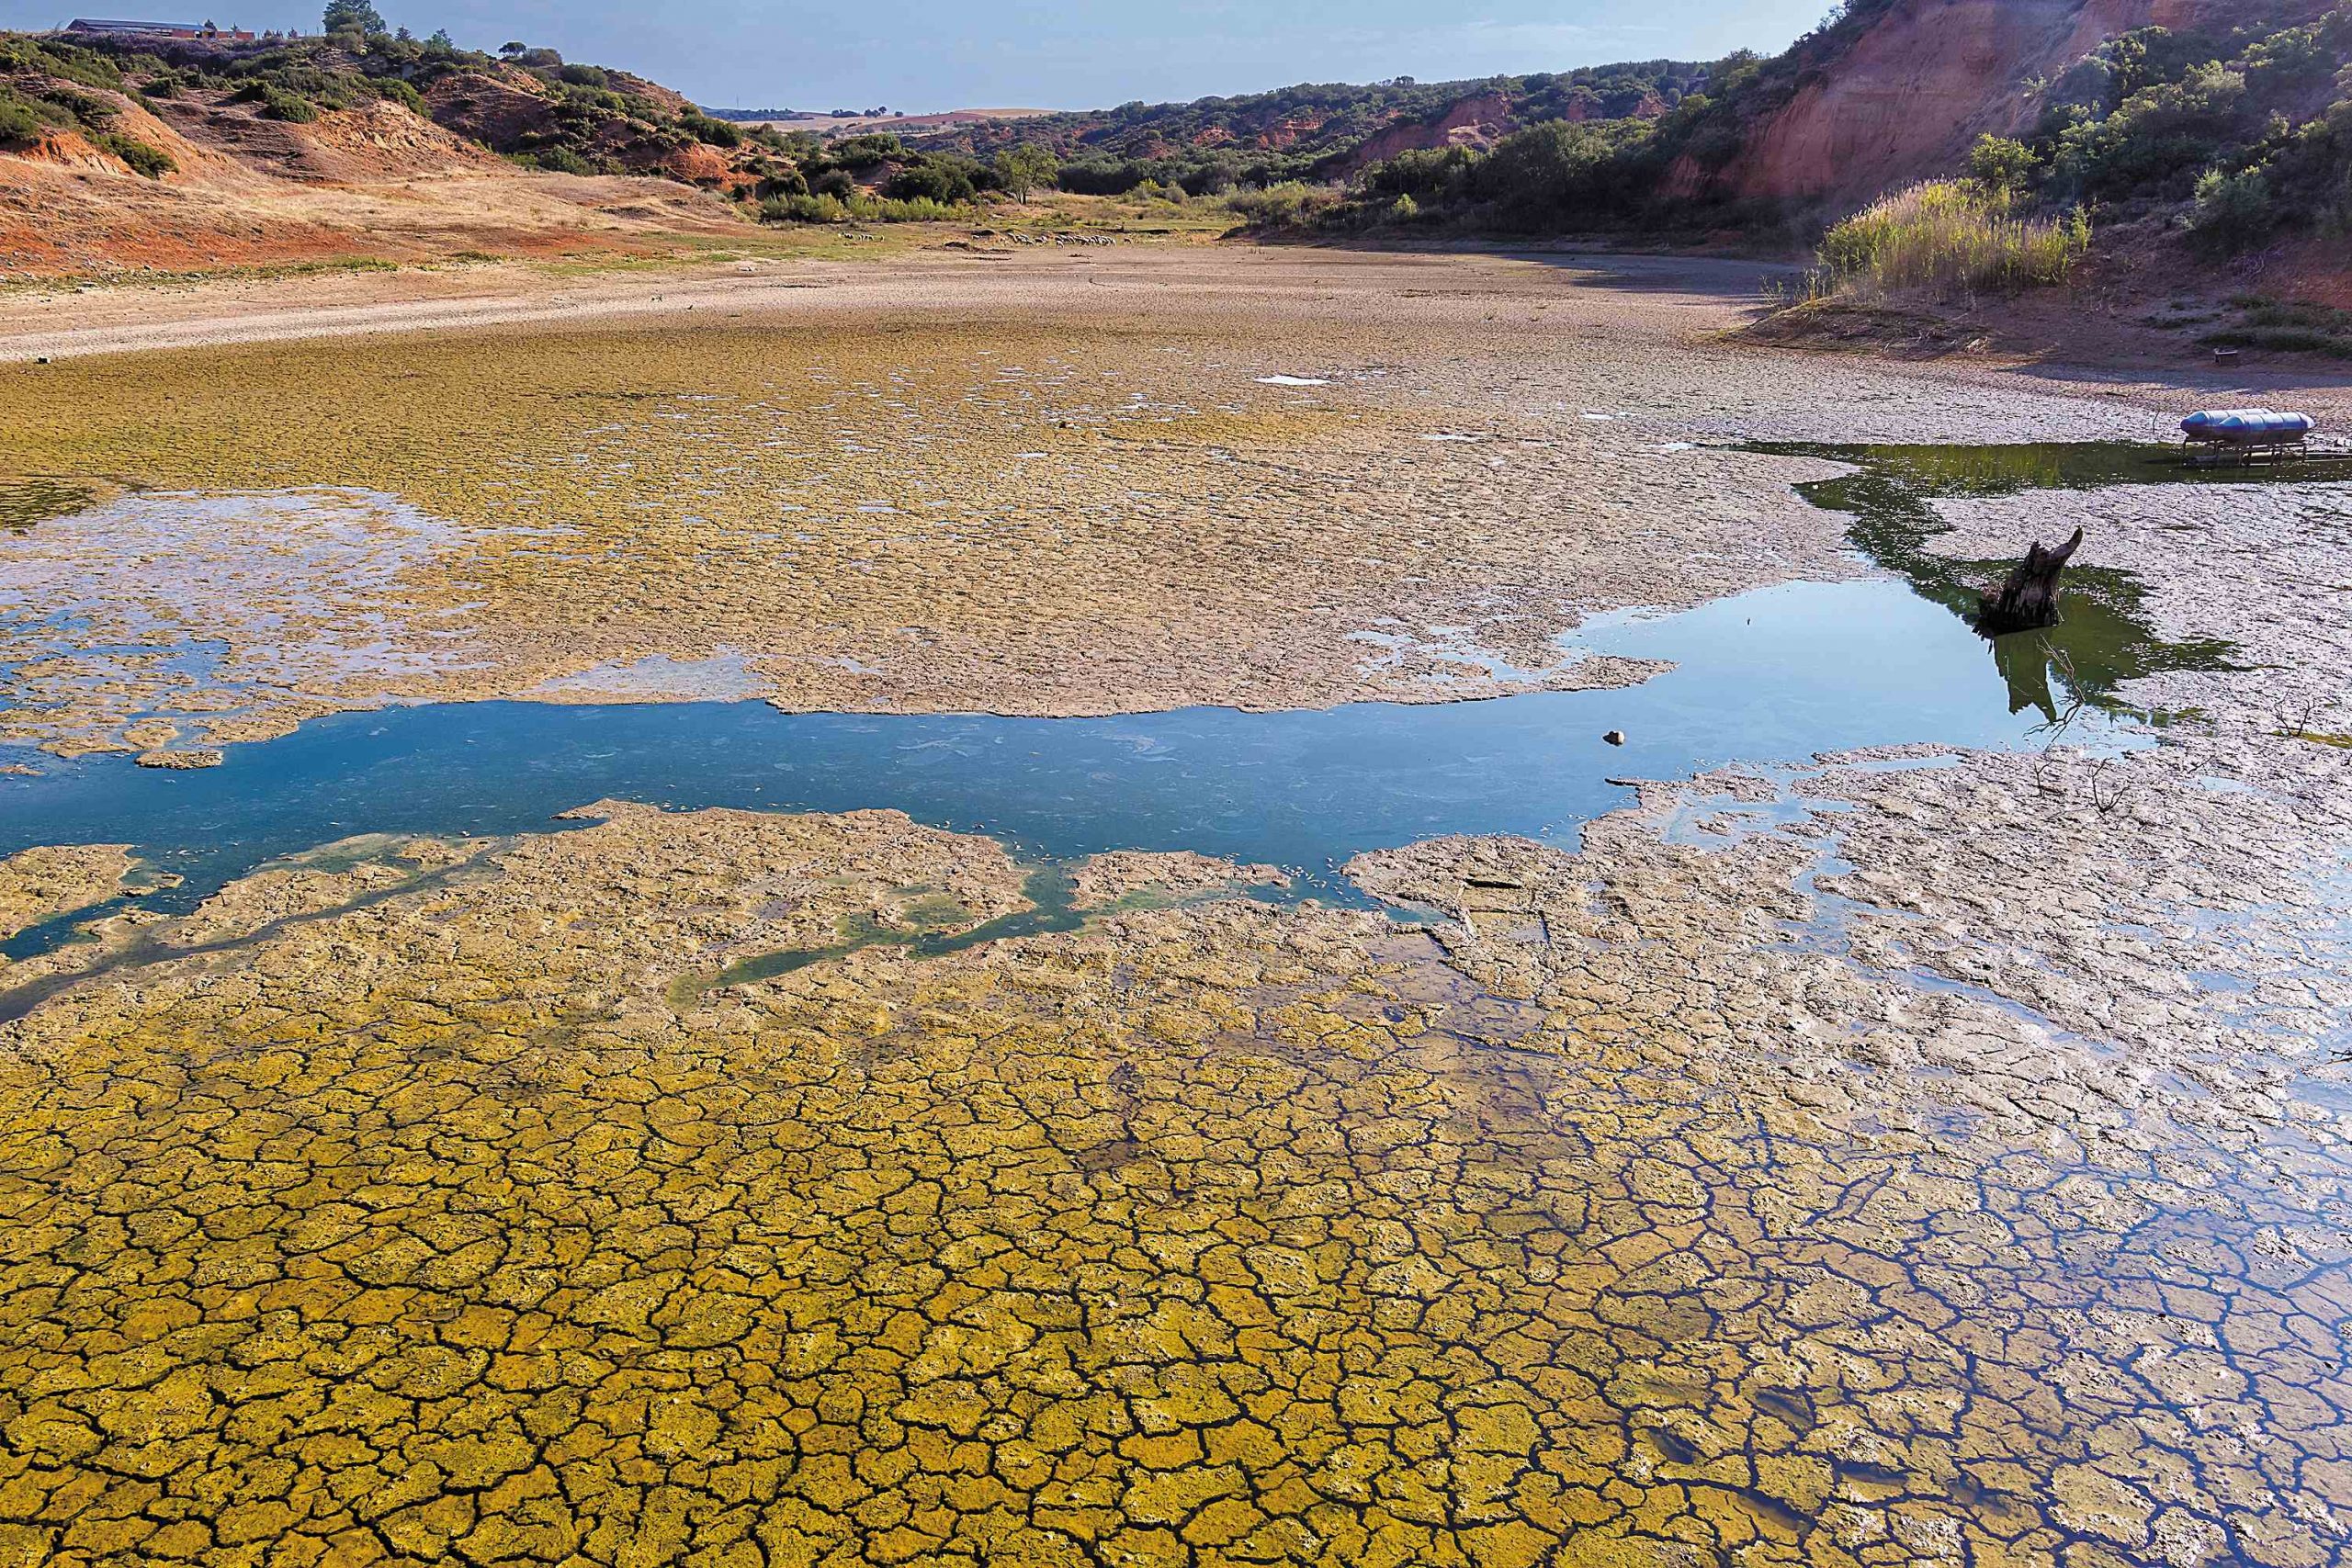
x,y
2030,598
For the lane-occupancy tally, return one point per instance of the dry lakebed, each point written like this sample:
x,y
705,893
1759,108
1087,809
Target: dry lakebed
x,y
975,911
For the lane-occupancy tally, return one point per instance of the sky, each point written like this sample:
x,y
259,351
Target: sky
x,y
923,55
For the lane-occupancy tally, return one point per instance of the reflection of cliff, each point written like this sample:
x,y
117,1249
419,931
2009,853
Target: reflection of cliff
x,y
1911,94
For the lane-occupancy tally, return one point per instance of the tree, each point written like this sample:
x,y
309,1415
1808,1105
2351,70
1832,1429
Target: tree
x,y
512,50
1999,163
1023,169
355,16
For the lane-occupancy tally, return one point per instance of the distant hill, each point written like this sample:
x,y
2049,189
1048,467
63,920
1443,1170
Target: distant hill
x,y
529,104
850,122
1316,130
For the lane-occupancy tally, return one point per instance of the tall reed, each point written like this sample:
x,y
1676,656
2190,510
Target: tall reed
x,y
1948,237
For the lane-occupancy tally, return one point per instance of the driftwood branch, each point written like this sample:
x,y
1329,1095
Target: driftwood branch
x,y
2030,598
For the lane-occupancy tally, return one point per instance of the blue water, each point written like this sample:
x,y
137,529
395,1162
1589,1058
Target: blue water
x,y
1774,675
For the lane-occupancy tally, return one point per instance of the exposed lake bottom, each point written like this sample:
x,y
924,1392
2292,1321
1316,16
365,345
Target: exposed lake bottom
x,y
1823,1163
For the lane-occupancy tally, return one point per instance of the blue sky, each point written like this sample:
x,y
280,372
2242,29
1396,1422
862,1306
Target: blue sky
x,y
937,54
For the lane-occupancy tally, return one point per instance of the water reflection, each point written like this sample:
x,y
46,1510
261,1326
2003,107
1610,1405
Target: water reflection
x,y
1777,674
27,501
2105,638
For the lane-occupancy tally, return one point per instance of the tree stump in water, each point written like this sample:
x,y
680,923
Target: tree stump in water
x,y
2030,598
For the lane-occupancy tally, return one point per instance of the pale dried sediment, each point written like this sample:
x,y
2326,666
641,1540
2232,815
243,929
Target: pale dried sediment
x,y
159,614
2259,565
1108,877
50,880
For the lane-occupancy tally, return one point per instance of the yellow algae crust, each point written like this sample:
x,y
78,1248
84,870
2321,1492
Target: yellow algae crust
x,y
1106,878
430,1231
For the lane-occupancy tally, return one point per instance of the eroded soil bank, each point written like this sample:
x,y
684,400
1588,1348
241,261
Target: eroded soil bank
x,y
1906,1155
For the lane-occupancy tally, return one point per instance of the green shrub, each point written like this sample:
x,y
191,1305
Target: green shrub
x,y
919,209
2233,210
20,123
1102,176
279,103
865,152
1424,173
557,161
142,157
934,179
1284,206
2002,163
856,210
717,132
804,208
393,90
54,56
1562,174
77,108
1947,237
2157,138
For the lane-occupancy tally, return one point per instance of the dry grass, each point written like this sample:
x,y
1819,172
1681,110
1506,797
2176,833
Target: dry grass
x,y
1946,238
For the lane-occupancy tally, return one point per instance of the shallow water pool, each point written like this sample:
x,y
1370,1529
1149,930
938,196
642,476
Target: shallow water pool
x,y
1774,675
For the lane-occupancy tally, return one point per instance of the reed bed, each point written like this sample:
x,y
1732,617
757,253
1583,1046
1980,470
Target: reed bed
x,y
1947,238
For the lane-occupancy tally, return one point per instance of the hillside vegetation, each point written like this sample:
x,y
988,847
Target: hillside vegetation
x,y
2231,131
528,103
1318,131
278,105
1949,145
2249,124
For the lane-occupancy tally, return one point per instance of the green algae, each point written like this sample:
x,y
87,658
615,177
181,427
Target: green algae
x,y
2105,638
930,929
27,501
1048,888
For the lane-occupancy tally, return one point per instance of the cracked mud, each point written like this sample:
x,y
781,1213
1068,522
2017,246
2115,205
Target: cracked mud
x,y
1891,1158
429,1228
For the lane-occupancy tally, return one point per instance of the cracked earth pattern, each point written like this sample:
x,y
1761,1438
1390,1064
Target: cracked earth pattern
x,y
424,1228
1895,1160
